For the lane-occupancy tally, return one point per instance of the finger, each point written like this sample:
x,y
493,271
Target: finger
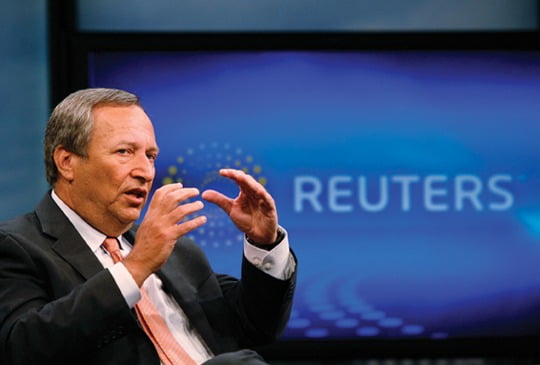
x,y
166,188
183,210
255,192
171,197
219,199
267,204
180,195
251,189
246,182
161,192
189,225
238,176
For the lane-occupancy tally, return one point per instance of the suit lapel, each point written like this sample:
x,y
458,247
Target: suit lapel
x,y
69,244
72,248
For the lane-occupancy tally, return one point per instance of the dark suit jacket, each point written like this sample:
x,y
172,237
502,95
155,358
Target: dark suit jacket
x,y
58,305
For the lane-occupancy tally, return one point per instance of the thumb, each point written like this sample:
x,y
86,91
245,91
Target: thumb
x,y
219,199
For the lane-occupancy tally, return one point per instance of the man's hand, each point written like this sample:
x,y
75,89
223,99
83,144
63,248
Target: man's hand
x,y
162,225
253,211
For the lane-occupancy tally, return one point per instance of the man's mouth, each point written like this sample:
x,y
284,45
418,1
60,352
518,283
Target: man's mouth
x,y
138,195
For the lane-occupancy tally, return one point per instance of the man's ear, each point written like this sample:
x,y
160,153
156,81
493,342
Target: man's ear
x,y
65,161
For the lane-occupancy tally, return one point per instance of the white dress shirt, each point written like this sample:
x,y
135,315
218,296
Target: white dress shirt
x,y
278,262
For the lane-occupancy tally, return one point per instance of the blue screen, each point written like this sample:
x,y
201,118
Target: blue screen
x,y
408,181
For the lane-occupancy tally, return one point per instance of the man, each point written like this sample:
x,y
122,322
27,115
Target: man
x,y
77,279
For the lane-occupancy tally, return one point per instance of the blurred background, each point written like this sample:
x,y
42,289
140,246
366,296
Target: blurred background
x,y
30,31
24,50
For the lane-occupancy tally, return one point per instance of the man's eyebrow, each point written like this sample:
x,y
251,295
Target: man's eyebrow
x,y
134,145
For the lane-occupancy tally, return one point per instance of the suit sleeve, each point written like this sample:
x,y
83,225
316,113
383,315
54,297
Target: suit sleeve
x,y
261,302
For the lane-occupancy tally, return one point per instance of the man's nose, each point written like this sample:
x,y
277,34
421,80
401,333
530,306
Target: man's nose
x,y
143,167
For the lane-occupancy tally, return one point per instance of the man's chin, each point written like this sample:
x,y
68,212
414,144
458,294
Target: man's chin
x,y
130,215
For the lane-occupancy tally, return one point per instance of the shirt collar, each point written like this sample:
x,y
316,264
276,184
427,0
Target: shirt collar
x,y
90,235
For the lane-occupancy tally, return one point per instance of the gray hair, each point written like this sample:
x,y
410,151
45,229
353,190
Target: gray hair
x,y
71,123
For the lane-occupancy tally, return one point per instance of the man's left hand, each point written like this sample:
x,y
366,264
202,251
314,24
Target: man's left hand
x,y
253,211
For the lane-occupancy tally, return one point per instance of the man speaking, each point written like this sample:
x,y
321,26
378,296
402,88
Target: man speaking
x,y
79,284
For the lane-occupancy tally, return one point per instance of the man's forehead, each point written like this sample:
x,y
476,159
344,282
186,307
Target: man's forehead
x,y
123,124
117,110
112,116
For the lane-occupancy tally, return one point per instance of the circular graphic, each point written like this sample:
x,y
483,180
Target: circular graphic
x,y
199,167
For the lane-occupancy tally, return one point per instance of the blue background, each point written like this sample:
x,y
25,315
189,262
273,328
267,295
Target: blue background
x,y
24,51
387,274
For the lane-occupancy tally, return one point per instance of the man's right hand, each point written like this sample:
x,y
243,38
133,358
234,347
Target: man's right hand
x,y
161,227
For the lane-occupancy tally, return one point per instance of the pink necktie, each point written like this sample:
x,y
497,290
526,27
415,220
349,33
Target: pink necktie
x,y
169,350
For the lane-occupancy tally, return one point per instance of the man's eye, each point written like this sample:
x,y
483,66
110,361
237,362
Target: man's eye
x,y
151,157
122,151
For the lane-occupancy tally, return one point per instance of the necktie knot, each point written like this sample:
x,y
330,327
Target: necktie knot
x,y
113,248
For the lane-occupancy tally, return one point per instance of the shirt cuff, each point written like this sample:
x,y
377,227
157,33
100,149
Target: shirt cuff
x,y
278,262
125,282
